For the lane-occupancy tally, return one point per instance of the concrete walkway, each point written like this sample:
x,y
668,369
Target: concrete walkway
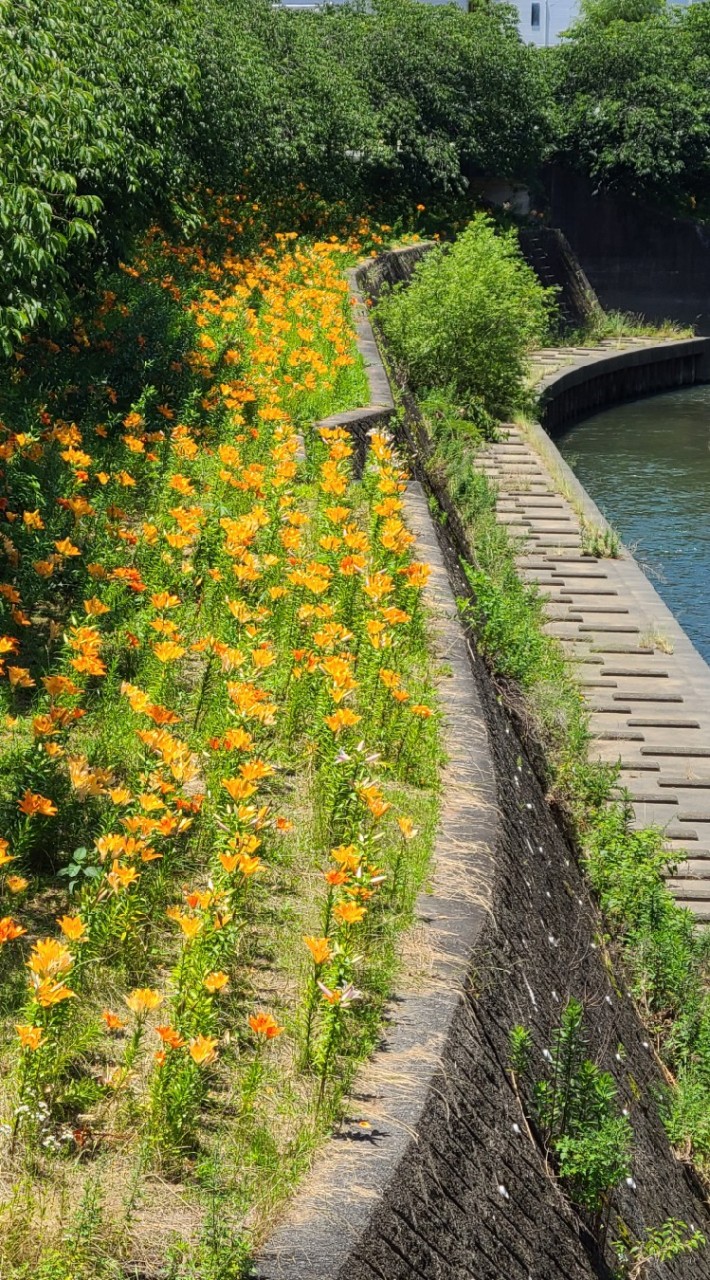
x,y
549,361
647,688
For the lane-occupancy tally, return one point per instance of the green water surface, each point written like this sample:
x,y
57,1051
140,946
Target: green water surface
x,y
647,466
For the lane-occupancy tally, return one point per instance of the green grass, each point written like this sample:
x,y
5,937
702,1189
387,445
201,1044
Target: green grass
x,y
617,325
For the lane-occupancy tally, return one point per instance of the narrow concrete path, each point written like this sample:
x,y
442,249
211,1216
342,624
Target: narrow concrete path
x,y
549,361
646,686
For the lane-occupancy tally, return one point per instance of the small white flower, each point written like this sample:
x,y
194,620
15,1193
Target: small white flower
x,y
502,1191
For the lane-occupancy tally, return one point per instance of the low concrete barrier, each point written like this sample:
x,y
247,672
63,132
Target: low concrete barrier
x,y
431,1175
604,377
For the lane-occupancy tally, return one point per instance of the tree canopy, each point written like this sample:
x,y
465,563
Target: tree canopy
x,y
113,111
630,99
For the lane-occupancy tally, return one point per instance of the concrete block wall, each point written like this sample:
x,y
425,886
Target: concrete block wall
x,y
432,1174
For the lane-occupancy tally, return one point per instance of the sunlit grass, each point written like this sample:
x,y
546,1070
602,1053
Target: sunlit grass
x,y
218,784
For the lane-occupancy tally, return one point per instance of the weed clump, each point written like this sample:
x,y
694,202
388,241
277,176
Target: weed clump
x,y
468,318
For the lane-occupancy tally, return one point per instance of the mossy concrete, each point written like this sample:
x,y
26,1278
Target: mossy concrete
x,y
431,1173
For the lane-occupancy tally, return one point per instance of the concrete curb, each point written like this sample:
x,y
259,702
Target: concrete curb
x,y
608,377
548,450
332,1212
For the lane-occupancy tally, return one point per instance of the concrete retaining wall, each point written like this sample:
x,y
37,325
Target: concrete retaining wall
x,y
605,377
431,1174
394,267
547,251
637,258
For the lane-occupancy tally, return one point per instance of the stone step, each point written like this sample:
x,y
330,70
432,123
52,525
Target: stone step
x,y
649,709
618,649
617,735
687,890
650,722
637,796
606,708
650,697
601,628
683,780
695,868
635,673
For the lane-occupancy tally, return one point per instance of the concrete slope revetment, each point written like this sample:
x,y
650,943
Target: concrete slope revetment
x,y
646,686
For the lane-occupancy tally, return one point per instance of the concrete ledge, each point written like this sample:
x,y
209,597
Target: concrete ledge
x,y
391,268
431,1176
331,1214
585,504
607,377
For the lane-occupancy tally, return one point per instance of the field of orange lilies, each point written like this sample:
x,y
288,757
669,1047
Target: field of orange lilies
x,y
219,761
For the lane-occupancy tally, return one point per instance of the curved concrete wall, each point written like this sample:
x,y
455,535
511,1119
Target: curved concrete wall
x,y
603,377
431,1174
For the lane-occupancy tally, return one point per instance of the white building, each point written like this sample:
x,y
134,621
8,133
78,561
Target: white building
x,y
540,21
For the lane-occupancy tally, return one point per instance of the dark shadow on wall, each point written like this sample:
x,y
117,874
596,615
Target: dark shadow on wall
x,y
474,1199
637,258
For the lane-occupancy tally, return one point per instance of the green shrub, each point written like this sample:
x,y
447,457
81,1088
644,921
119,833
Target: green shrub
x,y
657,1244
577,1117
469,317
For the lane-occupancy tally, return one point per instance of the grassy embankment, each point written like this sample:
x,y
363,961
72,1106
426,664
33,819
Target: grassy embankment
x,y
218,772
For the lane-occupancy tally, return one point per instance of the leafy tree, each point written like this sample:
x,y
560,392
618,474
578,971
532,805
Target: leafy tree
x,y
631,94
456,94
92,112
113,110
602,12
48,138
138,57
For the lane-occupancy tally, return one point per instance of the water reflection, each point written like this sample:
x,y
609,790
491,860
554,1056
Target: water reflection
x,y
647,466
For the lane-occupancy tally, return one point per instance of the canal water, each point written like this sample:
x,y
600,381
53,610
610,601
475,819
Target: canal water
x,y
647,466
